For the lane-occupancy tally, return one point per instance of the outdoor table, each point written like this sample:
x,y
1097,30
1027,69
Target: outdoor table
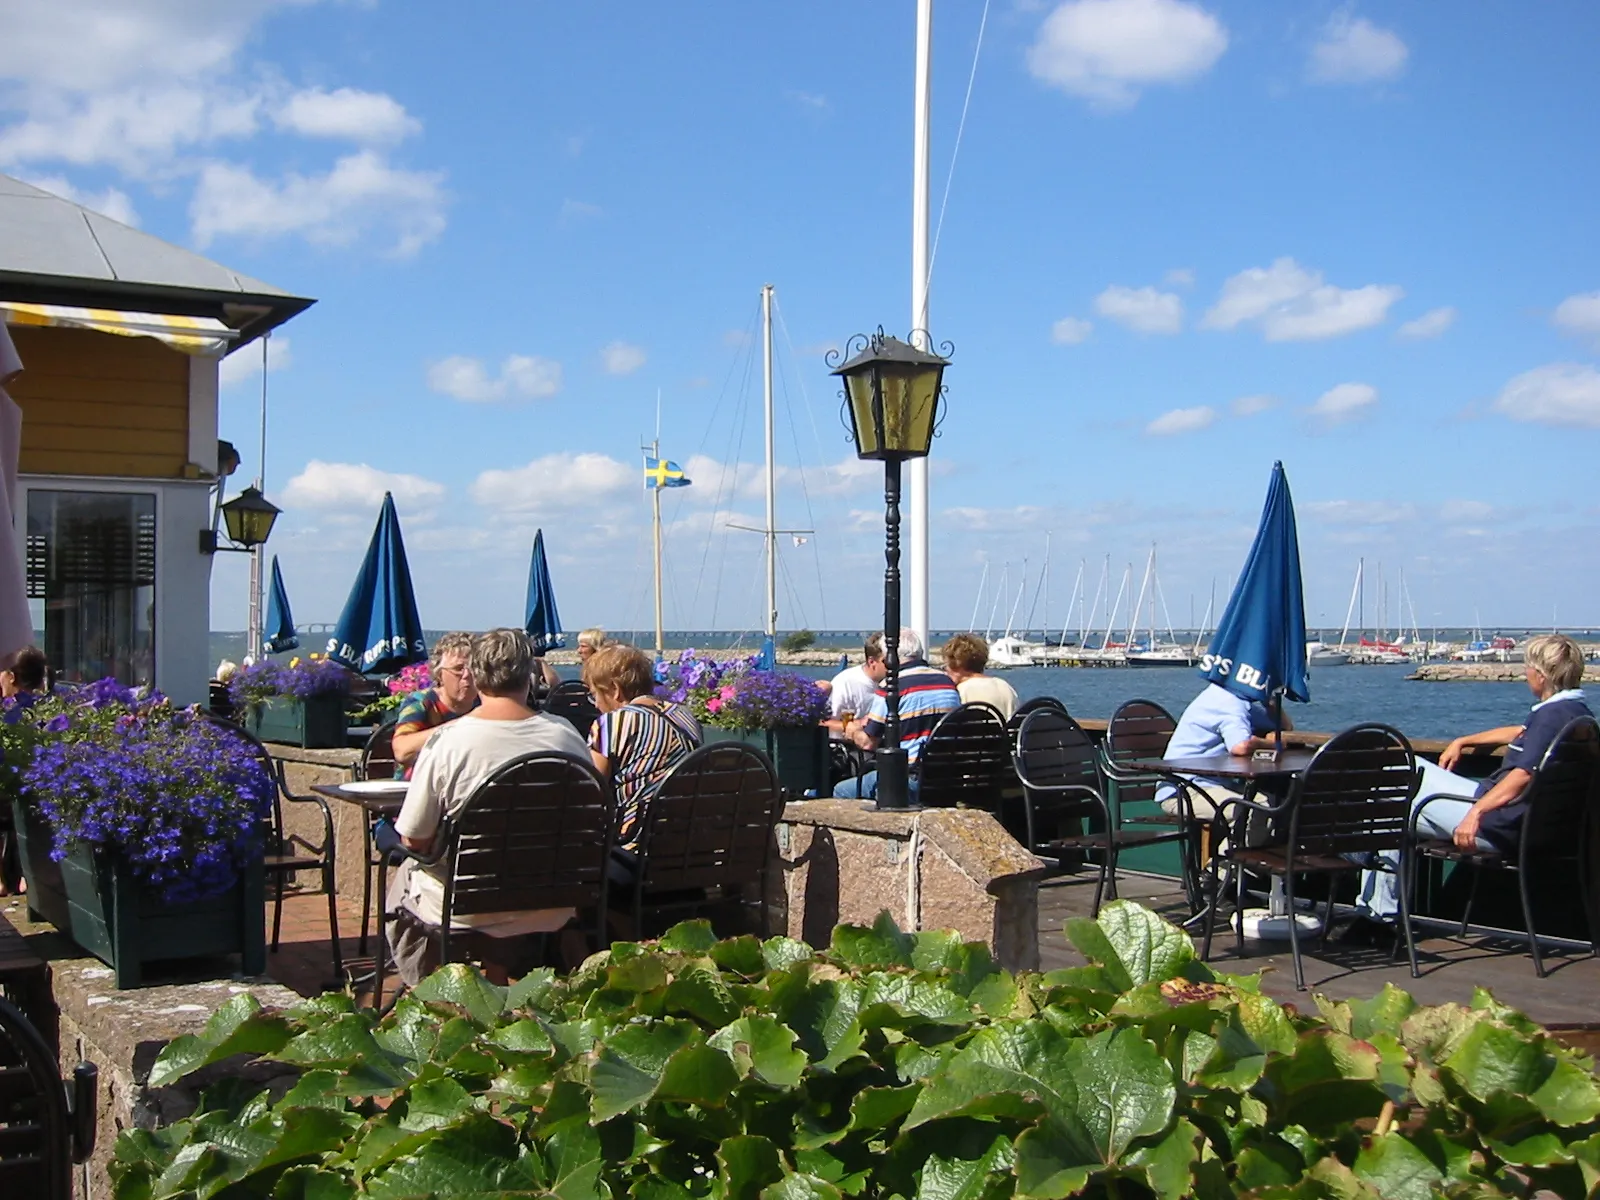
x,y
1271,923
385,803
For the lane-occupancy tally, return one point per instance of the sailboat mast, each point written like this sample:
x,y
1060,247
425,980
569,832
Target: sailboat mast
x,y
772,476
921,148
1144,584
655,498
972,625
1350,609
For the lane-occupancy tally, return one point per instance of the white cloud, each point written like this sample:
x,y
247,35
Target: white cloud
x,y
352,486
814,100
1579,315
1289,303
554,482
522,376
1182,420
621,358
1249,406
573,211
1429,325
1343,403
244,365
111,202
365,117
1354,50
362,193
992,520
1107,50
1558,394
1360,512
1071,331
1179,277
1144,310
1456,511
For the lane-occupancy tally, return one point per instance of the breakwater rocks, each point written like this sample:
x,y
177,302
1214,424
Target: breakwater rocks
x,y
1483,673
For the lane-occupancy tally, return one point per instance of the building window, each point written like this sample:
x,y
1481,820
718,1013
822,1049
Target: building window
x,y
91,560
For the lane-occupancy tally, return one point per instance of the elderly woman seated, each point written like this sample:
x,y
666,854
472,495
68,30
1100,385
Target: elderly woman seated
x,y
638,737
453,694
1486,813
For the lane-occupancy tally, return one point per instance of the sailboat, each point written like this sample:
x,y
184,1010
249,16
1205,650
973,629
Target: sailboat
x,y
1150,652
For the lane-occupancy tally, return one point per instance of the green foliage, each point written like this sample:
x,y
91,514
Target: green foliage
x,y
800,639
894,1065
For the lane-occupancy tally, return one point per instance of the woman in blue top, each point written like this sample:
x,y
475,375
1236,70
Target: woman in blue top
x,y
1487,813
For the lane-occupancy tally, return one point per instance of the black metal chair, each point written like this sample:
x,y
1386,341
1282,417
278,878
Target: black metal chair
x,y
377,762
536,834
706,836
1351,804
1059,766
287,853
571,700
1138,729
965,760
1555,834
45,1125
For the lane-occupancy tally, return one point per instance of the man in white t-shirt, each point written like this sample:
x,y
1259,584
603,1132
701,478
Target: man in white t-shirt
x,y
853,688
456,759
965,657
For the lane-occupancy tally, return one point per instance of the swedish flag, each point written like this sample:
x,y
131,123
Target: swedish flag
x,y
660,473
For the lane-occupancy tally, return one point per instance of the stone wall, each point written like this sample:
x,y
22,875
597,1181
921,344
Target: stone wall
x,y
123,1032
937,868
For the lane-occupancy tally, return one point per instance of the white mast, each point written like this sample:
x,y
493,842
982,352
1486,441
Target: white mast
x,y
918,507
772,477
1022,586
972,625
1144,585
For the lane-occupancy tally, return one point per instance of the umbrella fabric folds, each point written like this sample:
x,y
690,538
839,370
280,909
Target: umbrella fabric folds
x,y
279,634
379,631
1259,649
543,623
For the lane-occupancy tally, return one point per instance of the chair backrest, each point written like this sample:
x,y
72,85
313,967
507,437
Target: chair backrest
x,y
535,834
1029,707
1564,791
709,823
1138,729
1355,795
965,759
377,756
40,1136
571,701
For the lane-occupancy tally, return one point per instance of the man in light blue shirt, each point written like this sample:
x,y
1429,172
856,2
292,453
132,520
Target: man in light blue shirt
x,y
1218,722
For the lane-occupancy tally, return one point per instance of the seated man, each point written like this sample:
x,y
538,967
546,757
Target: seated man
x,y
451,695
925,696
852,689
1487,813
1217,721
965,657
460,756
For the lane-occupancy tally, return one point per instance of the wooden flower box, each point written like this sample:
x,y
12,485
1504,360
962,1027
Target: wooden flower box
x,y
315,723
800,755
95,900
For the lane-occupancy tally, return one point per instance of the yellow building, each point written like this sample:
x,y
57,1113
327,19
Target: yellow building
x,y
120,335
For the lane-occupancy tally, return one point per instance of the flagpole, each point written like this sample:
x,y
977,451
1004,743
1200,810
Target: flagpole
x,y
655,496
771,622
918,498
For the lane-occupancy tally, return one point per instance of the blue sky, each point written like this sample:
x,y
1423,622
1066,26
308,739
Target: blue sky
x,y
1182,240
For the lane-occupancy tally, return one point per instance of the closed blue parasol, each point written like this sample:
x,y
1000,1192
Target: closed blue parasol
x,y
1259,649
543,623
279,634
379,631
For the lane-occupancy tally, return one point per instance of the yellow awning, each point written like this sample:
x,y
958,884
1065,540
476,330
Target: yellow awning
x,y
192,335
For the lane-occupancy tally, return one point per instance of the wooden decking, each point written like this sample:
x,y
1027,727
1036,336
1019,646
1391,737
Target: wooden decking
x,y
1451,967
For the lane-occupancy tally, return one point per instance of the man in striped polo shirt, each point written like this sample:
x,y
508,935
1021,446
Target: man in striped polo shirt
x,y
926,695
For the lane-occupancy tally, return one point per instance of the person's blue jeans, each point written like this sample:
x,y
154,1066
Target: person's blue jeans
x,y
1380,890
847,789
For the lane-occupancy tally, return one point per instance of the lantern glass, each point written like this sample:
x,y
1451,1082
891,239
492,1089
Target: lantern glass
x,y
249,517
910,404
864,414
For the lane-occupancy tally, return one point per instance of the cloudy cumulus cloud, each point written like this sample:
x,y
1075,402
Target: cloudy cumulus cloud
x,y
1345,402
622,358
1354,50
244,364
521,377
1108,51
555,483
1429,325
357,487
1071,331
1290,303
1579,315
1566,394
1143,310
1182,420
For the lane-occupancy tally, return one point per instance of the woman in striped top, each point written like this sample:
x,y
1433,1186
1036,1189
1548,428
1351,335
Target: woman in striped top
x,y
638,737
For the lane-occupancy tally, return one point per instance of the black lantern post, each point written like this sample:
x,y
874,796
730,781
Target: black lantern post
x,y
248,517
892,393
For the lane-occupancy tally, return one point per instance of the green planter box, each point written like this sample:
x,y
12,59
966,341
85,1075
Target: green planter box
x,y
800,755
316,723
96,901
